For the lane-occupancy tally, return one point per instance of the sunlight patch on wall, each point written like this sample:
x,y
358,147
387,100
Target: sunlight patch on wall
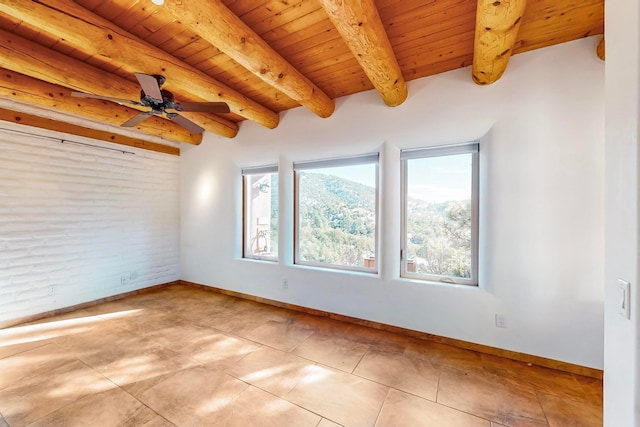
x,y
206,189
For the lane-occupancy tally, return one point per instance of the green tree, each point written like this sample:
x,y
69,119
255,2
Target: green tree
x,y
337,220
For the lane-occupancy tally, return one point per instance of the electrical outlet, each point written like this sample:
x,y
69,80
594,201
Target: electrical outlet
x,y
124,279
51,290
285,284
501,321
133,275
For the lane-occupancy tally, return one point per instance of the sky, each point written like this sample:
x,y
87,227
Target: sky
x,y
439,179
434,179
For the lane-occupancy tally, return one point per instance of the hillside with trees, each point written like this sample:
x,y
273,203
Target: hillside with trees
x,y
337,226
439,237
337,220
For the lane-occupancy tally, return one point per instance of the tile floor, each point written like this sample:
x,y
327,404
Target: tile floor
x,y
188,357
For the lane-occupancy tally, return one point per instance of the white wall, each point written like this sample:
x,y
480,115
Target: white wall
x,y
75,219
622,336
542,205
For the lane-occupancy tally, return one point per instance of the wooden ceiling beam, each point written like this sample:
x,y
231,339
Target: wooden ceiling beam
x,y
600,49
497,25
31,59
19,87
57,126
214,22
360,26
95,36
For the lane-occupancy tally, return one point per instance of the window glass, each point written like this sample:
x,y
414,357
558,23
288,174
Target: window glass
x,y
336,213
260,188
440,214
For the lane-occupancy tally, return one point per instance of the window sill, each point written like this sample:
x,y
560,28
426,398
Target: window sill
x,y
431,282
340,270
258,259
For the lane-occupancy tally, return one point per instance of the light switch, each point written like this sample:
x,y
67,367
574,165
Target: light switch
x,y
623,299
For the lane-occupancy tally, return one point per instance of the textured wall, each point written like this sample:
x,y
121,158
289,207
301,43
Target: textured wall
x,y
541,205
79,223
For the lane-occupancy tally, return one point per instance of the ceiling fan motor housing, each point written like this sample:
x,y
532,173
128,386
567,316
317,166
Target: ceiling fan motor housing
x,y
159,105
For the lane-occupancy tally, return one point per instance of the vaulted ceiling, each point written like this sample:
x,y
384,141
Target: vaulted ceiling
x,y
262,57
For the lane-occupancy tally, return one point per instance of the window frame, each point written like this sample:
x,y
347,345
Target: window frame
x,y
372,158
246,172
442,151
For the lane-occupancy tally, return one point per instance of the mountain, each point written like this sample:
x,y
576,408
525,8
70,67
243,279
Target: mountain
x,y
338,225
337,220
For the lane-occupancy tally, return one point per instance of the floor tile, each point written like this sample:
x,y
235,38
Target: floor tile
x,y
283,336
110,408
592,388
544,379
446,355
13,347
327,423
320,324
141,321
205,345
34,397
122,305
235,322
194,397
258,408
25,337
402,409
171,300
376,339
206,313
222,349
272,370
562,412
182,334
490,397
332,351
340,397
125,357
36,362
411,374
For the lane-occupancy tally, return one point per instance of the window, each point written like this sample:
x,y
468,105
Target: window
x,y
440,214
260,228
336,213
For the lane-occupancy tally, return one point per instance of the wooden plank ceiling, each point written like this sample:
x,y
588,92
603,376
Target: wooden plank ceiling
x,y
263,56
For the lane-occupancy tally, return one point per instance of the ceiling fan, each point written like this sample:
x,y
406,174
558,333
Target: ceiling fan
x,y
160,100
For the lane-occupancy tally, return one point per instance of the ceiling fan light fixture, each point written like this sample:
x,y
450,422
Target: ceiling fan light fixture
x,y
158,2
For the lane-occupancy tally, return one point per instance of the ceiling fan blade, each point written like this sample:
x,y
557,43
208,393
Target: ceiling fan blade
x,y
137,119
149,85
205,107
104,98
185,123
